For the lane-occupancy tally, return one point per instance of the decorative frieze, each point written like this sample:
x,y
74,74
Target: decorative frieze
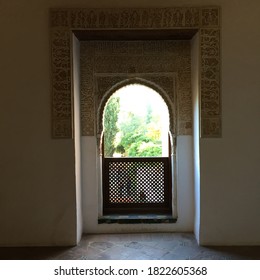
x,y
163,83
206,20
131,18
114,64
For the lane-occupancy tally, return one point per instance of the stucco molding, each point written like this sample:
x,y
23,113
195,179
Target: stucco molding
x,y
206,20
148,80
164,66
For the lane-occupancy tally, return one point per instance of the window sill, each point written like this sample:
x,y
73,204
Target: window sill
x,y
137,219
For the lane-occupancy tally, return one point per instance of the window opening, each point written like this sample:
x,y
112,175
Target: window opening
x,y
136,123
136,156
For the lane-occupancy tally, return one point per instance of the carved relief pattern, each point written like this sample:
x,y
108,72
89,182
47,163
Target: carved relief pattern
x,y
205,19
210,17
184,104
103,83
135,18
115,62
210,83
87,90
61,84
165,81
60,18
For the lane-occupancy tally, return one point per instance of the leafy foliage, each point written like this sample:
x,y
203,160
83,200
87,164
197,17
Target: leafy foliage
x,y
110,125
131,135
137,138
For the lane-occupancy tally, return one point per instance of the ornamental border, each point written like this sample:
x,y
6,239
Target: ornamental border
x,y
206,20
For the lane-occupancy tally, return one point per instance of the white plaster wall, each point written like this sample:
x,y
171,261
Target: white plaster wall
x,y
230,177
37,174
89,183
185,192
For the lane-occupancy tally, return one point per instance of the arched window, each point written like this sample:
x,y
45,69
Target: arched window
x,y
136,123
136,154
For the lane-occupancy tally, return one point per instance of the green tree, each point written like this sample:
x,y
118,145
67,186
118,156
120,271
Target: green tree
x,y
136,137
110,125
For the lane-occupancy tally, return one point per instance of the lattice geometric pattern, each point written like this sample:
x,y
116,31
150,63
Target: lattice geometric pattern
x,y
137,185
136,182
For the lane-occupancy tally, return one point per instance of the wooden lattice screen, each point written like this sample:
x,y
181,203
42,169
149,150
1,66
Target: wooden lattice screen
x,y
136,185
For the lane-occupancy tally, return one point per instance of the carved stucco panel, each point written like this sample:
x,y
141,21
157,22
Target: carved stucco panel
x,y
61,83
133,18
210,17
87,89
210,83
205,19
160,63
163,83
60,18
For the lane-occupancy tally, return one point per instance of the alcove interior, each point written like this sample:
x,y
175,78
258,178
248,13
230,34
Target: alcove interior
x,y
89,200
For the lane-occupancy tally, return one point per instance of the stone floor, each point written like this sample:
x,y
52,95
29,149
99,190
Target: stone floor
x,y
146,246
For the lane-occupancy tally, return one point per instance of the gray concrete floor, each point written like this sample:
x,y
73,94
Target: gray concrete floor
x,y
145,246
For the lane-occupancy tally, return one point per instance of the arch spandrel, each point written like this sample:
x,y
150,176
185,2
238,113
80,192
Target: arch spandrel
x,y
138,81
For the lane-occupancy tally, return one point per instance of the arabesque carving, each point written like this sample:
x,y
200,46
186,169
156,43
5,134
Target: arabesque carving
x,y
112,63
206,20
